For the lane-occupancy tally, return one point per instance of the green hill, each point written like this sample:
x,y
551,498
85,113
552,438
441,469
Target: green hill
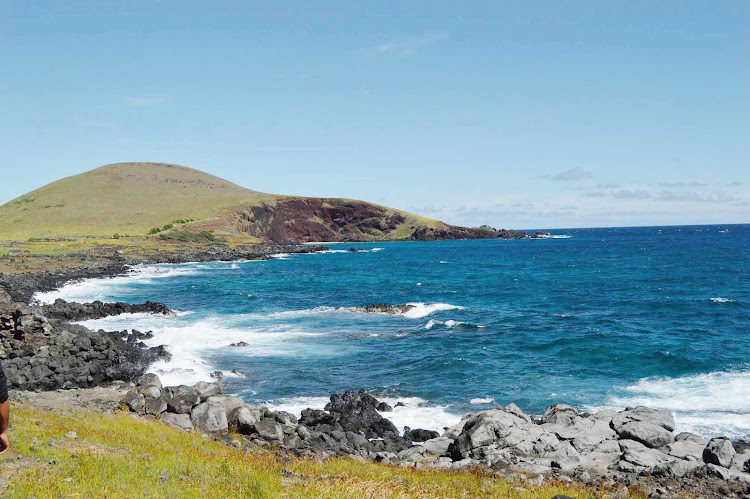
x,y
180,203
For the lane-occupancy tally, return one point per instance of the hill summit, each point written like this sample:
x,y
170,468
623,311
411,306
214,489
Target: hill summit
x,y
176,202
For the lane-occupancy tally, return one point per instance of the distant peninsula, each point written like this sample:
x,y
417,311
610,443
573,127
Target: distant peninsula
x,y
172,203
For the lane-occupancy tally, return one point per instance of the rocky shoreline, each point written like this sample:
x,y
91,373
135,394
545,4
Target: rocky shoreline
x,y
41,350
609,449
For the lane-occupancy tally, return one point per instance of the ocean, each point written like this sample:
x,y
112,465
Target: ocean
x,y
594,318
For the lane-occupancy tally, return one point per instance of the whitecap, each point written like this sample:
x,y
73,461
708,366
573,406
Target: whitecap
x,y
481,401
722,300
710,405
420,309
375,250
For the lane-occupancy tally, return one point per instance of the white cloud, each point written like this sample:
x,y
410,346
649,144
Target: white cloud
x,y
631,194
571,175
402,47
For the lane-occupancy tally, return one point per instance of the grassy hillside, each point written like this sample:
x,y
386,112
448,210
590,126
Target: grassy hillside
x,y
134,198
122,456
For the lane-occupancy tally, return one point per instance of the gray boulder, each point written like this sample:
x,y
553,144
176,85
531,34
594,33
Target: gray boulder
x,y
135,401
495,435
559,414
649,434
515,410
434,448
637,454
677,468
206,390
719,451
229,402
148,380
686,446
152,392
741,461
184,403
285,418
210,417
716,471
605,414
598,433
454,431
645,415
269,430
155,406
245,417
179,421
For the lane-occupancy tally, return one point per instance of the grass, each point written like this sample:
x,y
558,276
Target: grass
x,y
138,199
119,455
121,198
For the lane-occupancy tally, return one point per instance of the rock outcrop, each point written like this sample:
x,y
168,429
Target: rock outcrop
x,y
41,353
632,445
73,311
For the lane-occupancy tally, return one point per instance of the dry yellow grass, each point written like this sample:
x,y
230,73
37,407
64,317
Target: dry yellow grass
x,y
122,456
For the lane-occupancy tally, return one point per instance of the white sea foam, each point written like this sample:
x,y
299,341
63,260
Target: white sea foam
x,y
424,309
375,250
555,236
451,324
722,300
280,256
416,413
188,342
481,401
418,311
99,288
711,404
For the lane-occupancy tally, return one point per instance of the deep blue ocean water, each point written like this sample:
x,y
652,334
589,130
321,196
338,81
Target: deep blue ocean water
x,y
604,318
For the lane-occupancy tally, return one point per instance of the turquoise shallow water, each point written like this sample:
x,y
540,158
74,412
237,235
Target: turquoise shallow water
x,y
605,318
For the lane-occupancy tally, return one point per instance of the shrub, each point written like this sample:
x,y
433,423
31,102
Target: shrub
x,y
168,226
116,236
155,230
193,237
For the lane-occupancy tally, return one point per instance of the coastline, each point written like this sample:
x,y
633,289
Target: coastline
x,y
633,464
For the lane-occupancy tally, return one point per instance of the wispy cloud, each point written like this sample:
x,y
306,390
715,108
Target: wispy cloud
x,y
631,194
698,197
403,47
151,101
571,175
691,183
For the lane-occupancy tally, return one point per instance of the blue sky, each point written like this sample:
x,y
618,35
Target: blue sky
x,y
518,115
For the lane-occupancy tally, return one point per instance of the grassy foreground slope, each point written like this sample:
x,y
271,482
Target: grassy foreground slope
x,y
120,455
134,198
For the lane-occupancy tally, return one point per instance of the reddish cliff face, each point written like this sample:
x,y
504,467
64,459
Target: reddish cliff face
x,y
315,219
312,219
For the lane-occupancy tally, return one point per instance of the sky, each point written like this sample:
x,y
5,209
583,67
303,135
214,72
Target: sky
x,y
512,114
